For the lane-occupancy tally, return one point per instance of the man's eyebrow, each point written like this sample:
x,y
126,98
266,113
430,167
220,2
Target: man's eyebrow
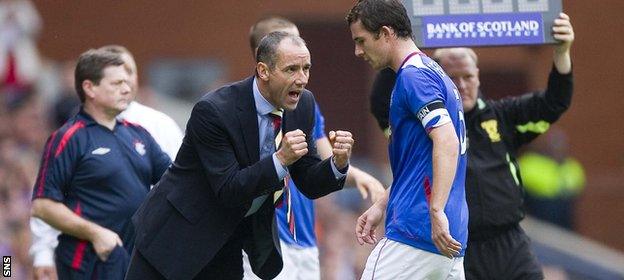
x,y
290,65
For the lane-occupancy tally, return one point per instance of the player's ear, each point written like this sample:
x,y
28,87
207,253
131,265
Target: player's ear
x,y
386,32
87,87
263,71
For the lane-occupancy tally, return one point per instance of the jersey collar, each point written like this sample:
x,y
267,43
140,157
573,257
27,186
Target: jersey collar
x,y
88,120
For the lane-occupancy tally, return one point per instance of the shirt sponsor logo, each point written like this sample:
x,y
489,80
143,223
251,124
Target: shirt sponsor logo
x,y
100,151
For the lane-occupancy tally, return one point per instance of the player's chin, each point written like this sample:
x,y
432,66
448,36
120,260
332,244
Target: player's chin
x,y
376,66
122,107
291,101
468,103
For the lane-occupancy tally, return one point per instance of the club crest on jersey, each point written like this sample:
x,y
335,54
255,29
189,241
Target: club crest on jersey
x,y
491,127
139,147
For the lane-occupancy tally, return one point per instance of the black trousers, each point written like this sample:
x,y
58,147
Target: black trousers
x,y
502,254
227,264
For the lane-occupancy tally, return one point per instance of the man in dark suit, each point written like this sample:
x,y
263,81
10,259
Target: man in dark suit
x,y
218,197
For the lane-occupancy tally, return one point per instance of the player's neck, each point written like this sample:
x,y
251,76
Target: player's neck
x,y
101,116
402,50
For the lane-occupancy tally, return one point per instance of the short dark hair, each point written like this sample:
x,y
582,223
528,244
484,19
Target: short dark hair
x,y
380,97
90,66
118,49
267,49
264,26
374,14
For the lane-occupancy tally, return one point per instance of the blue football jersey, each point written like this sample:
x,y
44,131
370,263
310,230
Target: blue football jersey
x,y
423,98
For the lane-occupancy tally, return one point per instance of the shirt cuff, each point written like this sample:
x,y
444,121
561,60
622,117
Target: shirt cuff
x,y
339,173
43,258
279,168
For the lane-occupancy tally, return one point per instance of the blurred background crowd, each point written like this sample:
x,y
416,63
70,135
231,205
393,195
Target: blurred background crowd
x,y
573,175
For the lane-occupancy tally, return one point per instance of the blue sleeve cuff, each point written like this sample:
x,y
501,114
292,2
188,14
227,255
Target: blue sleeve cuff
x,y
339,173
279,168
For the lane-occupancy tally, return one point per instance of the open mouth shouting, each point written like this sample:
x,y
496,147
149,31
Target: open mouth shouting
x,y
293,96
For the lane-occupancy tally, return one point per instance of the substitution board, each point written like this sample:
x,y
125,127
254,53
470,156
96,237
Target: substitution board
x,y
448,23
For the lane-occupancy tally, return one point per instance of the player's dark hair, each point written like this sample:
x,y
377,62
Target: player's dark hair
x,y
380,97
374,14
90,67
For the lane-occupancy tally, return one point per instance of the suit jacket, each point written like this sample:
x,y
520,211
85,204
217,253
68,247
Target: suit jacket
x,y
206,193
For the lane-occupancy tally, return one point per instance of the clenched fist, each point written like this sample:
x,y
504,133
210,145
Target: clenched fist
x,y
342,143
292,148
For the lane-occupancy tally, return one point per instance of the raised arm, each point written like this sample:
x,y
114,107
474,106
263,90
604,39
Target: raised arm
x,y
564,33
531,114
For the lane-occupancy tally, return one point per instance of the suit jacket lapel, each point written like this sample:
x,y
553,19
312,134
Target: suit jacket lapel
x,y
248,119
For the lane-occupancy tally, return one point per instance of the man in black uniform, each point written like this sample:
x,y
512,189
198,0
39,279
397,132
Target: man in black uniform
x,y
497,247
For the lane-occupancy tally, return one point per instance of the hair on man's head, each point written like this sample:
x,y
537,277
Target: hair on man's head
x,y
375,14
265,26
90,66
268,48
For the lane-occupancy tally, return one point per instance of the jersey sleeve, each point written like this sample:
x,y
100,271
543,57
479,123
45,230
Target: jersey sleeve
x,y
530,115
60,157
319,123
423,97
